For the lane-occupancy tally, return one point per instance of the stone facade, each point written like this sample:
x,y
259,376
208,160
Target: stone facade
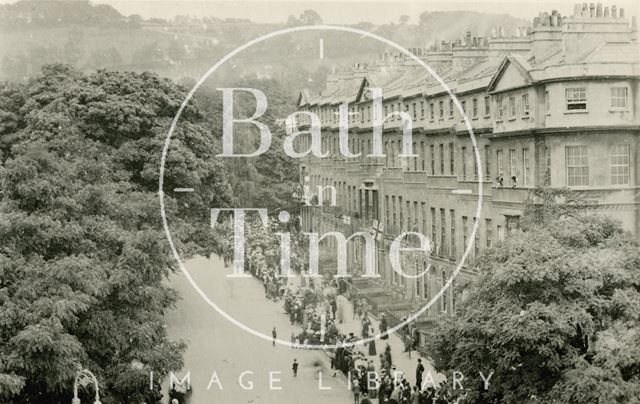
x,y
556,104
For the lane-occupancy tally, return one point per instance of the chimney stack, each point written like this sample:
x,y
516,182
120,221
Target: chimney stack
x,y
614,11
621,12
592,10
599,10
606,11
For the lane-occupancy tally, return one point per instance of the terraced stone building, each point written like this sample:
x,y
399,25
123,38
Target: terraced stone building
x,y
555,104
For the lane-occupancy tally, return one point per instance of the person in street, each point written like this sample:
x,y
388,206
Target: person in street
x,y
365,399
355,388
387,357
415,396
394,398
274,334
430,396
409,346
415,338
419,372
356,308
294,367
372,348
383,327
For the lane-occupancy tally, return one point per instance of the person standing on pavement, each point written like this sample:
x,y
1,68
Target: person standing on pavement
x,y
415,395
366,400
274,334
383,327
355,388
294,367
419,372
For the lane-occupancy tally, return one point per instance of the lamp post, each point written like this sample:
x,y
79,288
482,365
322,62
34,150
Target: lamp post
x,y
84,377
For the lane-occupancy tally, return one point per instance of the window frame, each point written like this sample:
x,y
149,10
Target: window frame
x,y
614,155
487,106
547,102
571,178
499,108
618,97
573,102
526,108
526,167
513,108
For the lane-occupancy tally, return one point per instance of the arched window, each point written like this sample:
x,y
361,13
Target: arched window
x,y
418,284
453,297
425,282
445,294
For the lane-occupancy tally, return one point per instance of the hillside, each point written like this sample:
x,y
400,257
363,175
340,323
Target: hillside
x,y
92,36
58,13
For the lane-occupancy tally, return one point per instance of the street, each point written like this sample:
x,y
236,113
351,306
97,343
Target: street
x,y
217,345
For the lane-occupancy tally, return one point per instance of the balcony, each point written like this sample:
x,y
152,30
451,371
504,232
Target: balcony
x,y
471,186
511,195
442,181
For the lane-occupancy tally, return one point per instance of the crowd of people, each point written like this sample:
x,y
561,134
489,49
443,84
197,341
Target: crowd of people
x,y
388,386
314,306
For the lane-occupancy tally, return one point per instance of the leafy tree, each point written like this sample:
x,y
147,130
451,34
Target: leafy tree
x,y
552,313
292,21
267,180
83,254
404,19
150,55
310,17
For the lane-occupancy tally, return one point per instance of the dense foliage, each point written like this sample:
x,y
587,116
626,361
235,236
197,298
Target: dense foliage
x,y
82,252
266,181
553,314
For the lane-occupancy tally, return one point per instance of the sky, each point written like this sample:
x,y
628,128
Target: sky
x,y
343,12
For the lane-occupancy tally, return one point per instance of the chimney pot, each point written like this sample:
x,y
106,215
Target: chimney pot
x,y
592,10
621,12
577,10
614,11
585,9
634,23
599,10
606,11
554,20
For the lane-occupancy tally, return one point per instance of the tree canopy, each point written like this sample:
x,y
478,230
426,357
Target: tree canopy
x,y
553,313
83,255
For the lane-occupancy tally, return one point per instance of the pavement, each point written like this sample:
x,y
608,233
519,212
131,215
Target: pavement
x,y
228,364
